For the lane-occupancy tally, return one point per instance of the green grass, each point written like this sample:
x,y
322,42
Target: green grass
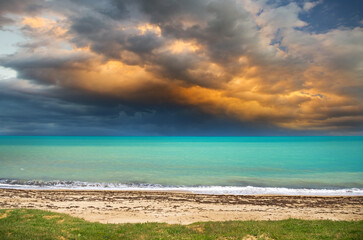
x,y
37,224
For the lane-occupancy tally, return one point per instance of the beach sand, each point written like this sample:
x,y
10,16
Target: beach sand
x,y
181,207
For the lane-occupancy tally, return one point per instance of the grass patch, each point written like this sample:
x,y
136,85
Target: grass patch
x,y
37,224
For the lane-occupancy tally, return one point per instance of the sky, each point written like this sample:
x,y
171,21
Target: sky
x,y
175,68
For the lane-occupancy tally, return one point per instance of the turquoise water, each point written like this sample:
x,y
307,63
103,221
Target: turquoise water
x,y
278,162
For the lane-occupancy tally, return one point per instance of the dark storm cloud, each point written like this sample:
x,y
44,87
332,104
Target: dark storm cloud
x,y
143,44
228,33
42,113
193,67
8,7
161,12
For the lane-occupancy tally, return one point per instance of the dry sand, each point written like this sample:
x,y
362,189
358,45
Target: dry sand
x,y
183,208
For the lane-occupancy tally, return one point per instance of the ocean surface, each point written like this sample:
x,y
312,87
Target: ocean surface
x,y
212,165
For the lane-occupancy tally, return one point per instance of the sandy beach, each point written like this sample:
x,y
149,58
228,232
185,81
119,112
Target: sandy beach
x,y
181,207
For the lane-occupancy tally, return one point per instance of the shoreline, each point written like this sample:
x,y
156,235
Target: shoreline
x,y
201,189
122,206
170,191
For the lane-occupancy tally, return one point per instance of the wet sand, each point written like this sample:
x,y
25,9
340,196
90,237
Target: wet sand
x,y
180,207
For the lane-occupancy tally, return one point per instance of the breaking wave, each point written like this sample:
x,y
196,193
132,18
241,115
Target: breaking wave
x,y
229,190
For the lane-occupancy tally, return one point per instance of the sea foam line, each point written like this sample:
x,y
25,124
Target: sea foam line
x,y
218,190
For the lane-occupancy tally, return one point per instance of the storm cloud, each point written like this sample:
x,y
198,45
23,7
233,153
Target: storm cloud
x,y
201,67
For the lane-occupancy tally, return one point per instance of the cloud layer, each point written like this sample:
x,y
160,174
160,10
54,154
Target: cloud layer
x,y
157,66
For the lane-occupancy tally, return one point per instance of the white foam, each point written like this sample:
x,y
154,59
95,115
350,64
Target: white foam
x,y
218,190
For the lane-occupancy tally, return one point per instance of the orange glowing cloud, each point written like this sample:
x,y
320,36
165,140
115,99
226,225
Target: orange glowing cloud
x,y
218,102
36,22
179,46
221,61
143,28
44,26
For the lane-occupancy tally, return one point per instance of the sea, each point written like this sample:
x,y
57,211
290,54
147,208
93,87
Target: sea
x,y
326,166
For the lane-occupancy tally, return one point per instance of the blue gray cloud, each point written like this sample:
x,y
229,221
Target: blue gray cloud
x,y
199,67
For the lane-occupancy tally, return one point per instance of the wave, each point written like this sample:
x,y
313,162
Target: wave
x,y
216,190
